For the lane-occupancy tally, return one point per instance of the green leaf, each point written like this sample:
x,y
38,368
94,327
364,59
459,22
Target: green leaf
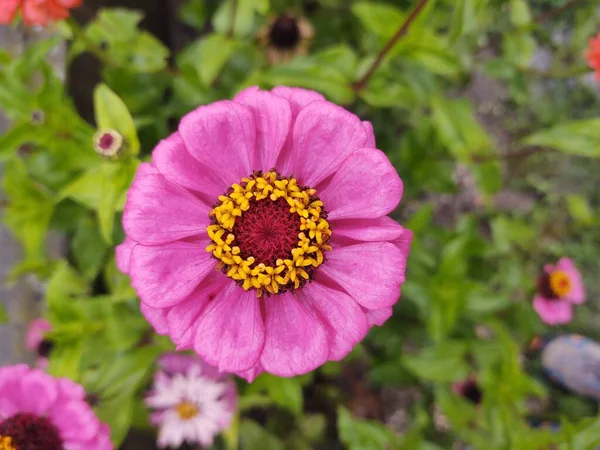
x,y
579,209
361,434
112,113
148,54
3,314
444,362
29,211
519,48
341,57
580,137
193,13
381,19
244,18
285,392
520,15
115,25
65,359
88,248
103,189
481,302
15,138
254,437
208,56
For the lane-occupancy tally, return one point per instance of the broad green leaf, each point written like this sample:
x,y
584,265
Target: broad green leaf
x,y
88,248
254,437
208,56
580,137
362,434
15,138
65,359
580,209
519,48
341,57
193,13
520,15
285,392
29,210
115,25
244,18
481,302
444,362
148,54
112,113
381,19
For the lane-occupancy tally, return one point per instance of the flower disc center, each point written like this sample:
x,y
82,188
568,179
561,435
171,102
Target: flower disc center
x,y
187,410
26,431
284,33
560,283
267,231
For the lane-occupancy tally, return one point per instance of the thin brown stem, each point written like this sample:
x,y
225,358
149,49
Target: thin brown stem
x,y
555,11
523,153
360,84
234,5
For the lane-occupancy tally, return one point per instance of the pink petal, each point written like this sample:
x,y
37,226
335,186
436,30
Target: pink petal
x,y
10,389
221,136
158,212
75,421
379,229
231,334
38,392
404,242
553,312
378,316
172,159
36,333
577,292
370,273
370,135
366,185
343,319
272,116
123,254
8,10
165,275
145,169
295,339
251,374
324,136
183,317
298,98
157,317
69,390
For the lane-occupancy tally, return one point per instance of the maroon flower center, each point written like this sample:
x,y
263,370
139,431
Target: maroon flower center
x,y
30,432
267,231
472,392
284,33
106,141
44,348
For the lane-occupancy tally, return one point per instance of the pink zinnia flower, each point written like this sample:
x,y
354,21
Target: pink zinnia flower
x,y
593,54
559,288
258,236
36,341
193,401
39,412
36,12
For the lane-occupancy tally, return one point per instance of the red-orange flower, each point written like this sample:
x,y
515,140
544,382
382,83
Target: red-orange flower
x,y
36,12
593,54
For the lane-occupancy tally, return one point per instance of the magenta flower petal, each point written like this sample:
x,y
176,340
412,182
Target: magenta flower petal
x,y
378,316
172,160
343,319
251,374
36,332
295,340
145,169
368,230
178,213
370,273
324,136
231,333
221,136
165,275
75,420
370,143
553,312
157,318
577,293
37,395
366,185
272,116
123,254
297,97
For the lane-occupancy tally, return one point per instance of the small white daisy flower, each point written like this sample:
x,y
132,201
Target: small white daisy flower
x,y
190,407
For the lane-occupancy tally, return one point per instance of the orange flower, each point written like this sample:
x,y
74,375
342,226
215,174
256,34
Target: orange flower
x,y
36,12
593,54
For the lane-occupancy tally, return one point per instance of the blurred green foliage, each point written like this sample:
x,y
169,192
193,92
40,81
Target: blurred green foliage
x,y
459,92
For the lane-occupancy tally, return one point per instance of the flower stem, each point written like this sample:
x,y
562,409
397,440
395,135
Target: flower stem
x,y
360,84
234,5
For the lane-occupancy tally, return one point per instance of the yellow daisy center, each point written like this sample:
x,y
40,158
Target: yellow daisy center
x,y
269,233
186,411
560,283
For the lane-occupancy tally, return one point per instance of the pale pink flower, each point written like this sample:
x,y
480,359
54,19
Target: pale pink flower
x,y
559,288
40,412
36,341
193,402
258,236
